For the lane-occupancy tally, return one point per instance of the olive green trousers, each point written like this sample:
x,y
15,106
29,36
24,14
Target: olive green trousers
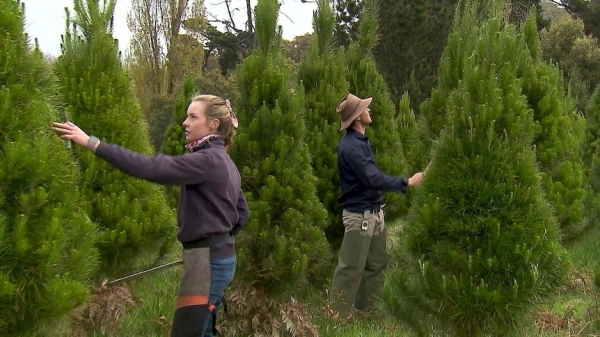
x,y
362,261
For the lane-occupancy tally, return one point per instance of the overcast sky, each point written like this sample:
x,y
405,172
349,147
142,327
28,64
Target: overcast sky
x,y
45,19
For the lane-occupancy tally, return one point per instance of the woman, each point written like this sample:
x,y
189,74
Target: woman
x,y
212,208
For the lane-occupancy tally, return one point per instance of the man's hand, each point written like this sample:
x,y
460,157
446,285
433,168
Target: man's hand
x,y
415,179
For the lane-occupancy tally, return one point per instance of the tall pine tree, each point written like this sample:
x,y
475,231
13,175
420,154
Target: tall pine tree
x,y
412,37
409,132
414,150
284,244
483,243
132,213
348,15
47,253
366,81
323,77
559,138
559,128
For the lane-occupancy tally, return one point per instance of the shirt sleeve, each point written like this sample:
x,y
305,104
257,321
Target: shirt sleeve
x,y
242,208
186,169
361,161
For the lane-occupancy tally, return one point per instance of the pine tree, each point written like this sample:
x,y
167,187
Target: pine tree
x,y
175,135
482,241
131,213
413,35
409,132
47,253
283,245
348,15
558,133
559,139
323,77
366,81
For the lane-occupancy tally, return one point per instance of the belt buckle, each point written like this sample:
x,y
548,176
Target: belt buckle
x,y
365,225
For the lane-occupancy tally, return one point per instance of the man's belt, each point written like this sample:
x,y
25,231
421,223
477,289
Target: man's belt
x,y
376,209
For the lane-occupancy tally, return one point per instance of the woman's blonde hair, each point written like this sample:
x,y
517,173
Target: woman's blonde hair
x,y
218,108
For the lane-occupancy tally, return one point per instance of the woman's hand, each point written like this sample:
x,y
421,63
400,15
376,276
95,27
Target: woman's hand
x,y
72,132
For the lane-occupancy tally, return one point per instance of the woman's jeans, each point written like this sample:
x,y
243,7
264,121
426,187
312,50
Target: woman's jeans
x,y
221,274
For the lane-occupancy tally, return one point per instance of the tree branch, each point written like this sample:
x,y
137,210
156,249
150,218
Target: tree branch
x,y
562,3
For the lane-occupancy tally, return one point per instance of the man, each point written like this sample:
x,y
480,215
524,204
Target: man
x,y
362,258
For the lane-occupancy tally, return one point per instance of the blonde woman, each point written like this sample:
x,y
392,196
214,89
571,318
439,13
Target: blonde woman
x,y
212,208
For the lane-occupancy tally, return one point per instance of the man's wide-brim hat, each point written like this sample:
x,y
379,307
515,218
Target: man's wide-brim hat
x,y
351,107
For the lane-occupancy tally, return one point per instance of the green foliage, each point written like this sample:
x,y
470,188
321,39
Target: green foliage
x,y
131,213
593,139
592,158
412,38
365,81
297,49
283,244
159,108
409,132
323,77
347,14
559,129
482,242
175,135
47,253
214,83
521,9
551,12
558,139
231,46
588,11
566,44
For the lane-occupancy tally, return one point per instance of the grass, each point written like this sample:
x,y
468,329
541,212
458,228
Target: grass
x,y
573,312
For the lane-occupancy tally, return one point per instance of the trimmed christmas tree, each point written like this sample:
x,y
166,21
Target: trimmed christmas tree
x,y
283,245
482,241
366,81
175,135
408,129
412,38
323,77
559,128
132,213
409,132
47,253
559,138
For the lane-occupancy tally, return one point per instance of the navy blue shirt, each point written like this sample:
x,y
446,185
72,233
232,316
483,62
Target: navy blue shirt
x,y
361,180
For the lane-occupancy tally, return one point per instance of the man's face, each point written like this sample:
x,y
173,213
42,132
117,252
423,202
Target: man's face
x,y
365,117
